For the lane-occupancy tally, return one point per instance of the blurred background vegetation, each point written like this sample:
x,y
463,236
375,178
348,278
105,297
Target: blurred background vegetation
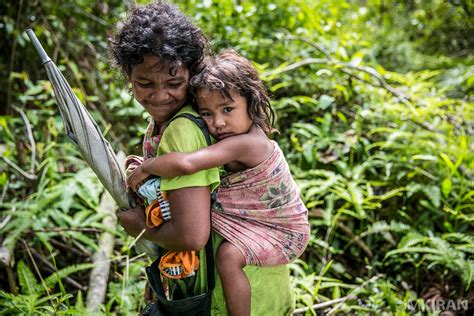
x,y
375,112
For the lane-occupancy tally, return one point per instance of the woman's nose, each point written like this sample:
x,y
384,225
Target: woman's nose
x,y
159,95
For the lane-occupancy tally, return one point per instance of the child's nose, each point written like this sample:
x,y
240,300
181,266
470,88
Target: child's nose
x,y
219,121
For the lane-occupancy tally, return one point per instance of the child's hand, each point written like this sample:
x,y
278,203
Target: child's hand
x,y
136,178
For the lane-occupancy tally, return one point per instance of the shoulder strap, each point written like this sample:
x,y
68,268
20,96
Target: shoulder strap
x,y
199,122
209,251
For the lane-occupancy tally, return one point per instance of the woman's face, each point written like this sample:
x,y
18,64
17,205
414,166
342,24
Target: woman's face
x,y
160,93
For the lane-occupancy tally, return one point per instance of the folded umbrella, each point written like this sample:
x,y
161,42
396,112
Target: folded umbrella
x,y
84,132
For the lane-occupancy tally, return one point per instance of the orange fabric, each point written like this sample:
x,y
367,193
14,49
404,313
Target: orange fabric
x,y
175,259
187,260
153,214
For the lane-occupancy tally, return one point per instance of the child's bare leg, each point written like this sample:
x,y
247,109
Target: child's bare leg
x,y
235,284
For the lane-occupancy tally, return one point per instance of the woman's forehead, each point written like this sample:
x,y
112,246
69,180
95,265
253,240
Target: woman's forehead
x,y
152,66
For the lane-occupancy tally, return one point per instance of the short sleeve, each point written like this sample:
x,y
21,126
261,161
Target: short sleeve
x,y
183,135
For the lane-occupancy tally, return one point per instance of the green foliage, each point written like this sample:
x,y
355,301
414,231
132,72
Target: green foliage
x,y
375,111
35,297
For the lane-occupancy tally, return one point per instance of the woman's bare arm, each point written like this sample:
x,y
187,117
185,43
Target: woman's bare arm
x,y
189,227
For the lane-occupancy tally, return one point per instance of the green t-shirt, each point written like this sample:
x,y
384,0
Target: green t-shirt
x,y
183,135
271,289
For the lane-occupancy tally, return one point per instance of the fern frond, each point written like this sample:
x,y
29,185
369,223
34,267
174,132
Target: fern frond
x,y
54,278
411,250
468,239
383,226
412,238
26,278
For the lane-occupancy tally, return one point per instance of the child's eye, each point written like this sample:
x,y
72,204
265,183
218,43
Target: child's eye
x,y
205,114
227,109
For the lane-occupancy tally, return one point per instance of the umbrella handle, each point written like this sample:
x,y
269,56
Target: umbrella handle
x,y
41,52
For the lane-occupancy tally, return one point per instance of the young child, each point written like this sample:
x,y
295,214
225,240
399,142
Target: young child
x,y
258,210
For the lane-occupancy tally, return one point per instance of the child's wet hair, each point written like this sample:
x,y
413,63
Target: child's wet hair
x,y
229,70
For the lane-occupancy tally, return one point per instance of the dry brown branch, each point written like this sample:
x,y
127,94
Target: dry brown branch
x,y
84,250
66,247
51,268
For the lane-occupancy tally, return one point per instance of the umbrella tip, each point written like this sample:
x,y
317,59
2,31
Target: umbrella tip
x,y
41,52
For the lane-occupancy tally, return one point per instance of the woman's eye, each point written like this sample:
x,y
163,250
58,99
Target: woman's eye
x,y
144,84
227,109
174,84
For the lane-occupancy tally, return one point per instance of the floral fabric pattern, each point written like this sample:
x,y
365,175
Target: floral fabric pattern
x,y
259,210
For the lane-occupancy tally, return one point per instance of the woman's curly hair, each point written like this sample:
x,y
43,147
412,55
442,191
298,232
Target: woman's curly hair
x,y
159,29
230,71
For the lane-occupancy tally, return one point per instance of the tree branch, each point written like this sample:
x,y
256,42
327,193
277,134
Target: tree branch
x,y
332,61
17,168
51,268
6,260
30,138
290,67
100,273
320,214
324,304
375,277
101,259
340,300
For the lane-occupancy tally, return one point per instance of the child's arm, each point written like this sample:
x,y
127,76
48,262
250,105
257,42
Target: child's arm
x,y
136,178
235,148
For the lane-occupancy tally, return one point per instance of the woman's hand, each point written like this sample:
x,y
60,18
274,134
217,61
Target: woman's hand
x,y
136,178
133,220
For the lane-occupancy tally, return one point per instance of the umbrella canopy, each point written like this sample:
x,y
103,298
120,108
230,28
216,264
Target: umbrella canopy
x,y
84,132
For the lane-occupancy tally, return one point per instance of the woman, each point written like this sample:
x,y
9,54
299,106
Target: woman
x,y
159,49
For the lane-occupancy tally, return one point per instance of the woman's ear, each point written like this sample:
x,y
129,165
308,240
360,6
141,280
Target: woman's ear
x,y
127,69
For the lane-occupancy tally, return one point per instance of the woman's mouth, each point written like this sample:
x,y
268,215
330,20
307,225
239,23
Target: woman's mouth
x,y
160,105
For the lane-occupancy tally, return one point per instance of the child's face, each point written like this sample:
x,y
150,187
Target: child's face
x,y
224,117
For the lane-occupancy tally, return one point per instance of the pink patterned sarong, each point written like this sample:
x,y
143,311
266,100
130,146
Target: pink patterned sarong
x,y
259,210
